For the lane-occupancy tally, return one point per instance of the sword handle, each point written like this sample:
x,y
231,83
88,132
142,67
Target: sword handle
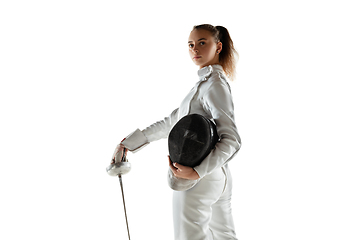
x,y
122,154
124,159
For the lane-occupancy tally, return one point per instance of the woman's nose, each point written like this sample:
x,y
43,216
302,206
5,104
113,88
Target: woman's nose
x,y
195,50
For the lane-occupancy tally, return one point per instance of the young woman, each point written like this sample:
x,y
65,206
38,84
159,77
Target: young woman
x,y
204,211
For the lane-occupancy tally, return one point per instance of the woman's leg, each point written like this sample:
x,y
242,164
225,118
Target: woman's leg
x,y
192,209
222,224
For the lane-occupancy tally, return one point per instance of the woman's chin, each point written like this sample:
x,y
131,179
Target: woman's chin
x,y
197,63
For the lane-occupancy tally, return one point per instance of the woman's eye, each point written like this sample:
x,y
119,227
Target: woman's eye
x,y
202,43
191,45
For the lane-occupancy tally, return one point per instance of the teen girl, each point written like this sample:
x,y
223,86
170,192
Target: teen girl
x,y
204,211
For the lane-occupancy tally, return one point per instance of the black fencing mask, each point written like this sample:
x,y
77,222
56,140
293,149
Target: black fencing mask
x,y
191,140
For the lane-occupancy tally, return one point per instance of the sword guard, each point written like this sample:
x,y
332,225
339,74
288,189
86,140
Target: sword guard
x,y
118,168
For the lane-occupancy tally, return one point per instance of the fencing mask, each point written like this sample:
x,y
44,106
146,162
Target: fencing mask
x,y
191,140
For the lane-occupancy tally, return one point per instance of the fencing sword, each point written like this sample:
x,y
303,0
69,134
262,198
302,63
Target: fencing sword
x,y
118,169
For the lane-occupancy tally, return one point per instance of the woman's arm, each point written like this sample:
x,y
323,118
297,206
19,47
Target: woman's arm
x,y
161,129
139,139
218,102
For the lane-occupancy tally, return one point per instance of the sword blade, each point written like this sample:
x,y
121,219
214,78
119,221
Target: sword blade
x,y
122,192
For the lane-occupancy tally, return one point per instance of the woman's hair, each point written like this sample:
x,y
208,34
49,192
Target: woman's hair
x,y
228,54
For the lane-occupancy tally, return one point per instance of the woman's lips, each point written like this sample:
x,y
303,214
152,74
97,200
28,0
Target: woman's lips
x,y
197,57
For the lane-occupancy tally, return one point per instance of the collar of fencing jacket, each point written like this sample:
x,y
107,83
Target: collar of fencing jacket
x,y
205,72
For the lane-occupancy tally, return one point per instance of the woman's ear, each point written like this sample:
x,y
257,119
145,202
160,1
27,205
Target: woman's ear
x,y
218,47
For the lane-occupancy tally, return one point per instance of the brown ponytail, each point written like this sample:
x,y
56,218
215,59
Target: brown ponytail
x,y
228,54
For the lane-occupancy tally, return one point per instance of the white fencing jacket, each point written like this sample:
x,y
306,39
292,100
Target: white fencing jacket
x,y
211,98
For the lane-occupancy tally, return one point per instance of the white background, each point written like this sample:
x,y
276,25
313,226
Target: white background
x,y
78,76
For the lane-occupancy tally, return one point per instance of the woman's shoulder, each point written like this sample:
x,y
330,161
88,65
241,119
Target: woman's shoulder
x,y
217,80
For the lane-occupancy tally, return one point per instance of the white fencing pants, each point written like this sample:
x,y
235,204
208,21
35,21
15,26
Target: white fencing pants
x,y
204,211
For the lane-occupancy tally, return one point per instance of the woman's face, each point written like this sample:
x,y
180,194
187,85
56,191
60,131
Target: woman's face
x,y
203,49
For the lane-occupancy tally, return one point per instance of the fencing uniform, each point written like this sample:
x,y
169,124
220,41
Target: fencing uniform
x,y
204,211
